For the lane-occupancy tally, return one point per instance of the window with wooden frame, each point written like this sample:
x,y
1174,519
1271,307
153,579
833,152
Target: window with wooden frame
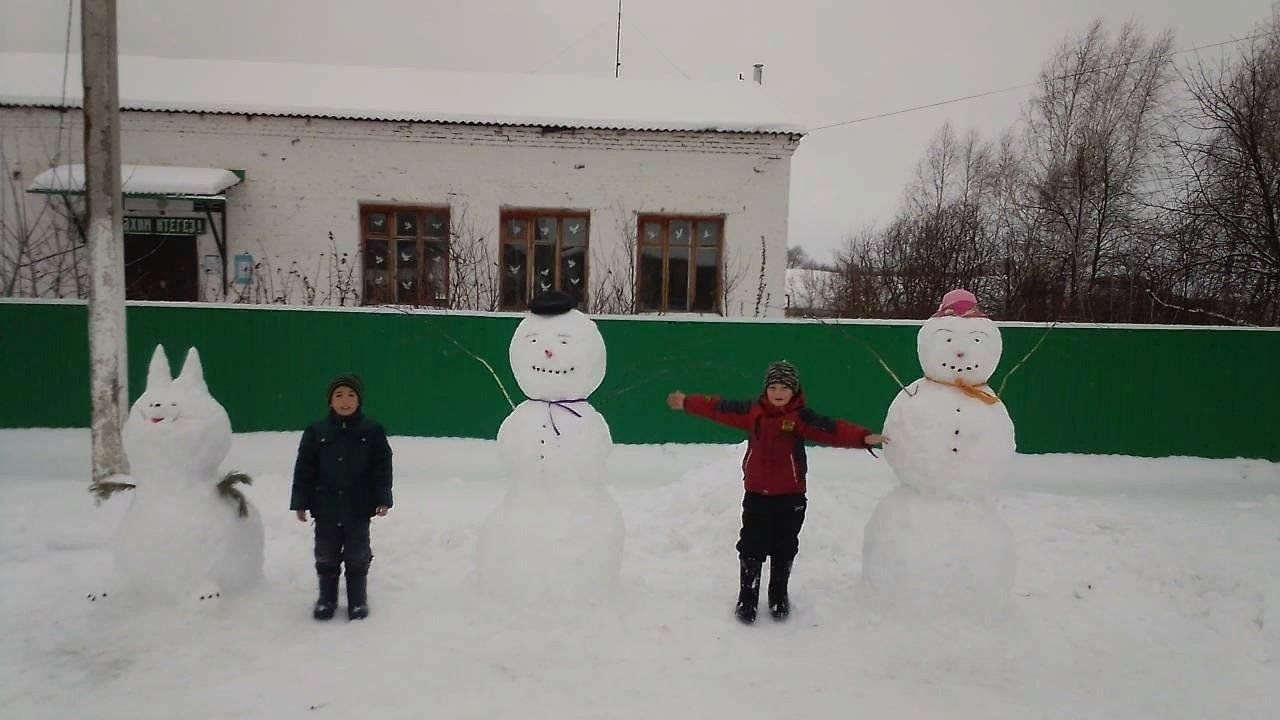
x,y
406,255
543,250
678,268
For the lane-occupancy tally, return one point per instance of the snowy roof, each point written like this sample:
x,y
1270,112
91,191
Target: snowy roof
x,y
141,180
401,94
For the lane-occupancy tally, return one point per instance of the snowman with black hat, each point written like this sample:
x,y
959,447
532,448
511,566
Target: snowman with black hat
x,y
558,533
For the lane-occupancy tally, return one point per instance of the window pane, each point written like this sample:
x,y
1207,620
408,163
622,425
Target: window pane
x,y
517,229
437,268
547,230
406,224
437,225
573,271
375,255
377,223
544,268
575,232
407,286
377,287
681,232
705,281
652,233
515,276
709,232
649,294
406,254
678,279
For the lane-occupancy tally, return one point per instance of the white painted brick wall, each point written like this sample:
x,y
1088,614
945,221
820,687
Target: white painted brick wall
x,y
307,177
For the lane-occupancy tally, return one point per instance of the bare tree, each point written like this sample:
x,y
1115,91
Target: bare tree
x,y
613,288
473,271
1227,146
1092,143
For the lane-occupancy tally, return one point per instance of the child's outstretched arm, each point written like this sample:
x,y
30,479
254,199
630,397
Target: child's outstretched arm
x,y
831,431
734,413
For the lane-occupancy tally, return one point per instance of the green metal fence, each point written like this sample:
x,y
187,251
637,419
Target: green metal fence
x,y
1210,392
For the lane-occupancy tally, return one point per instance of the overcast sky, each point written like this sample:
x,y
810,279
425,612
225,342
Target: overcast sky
x,y
834,60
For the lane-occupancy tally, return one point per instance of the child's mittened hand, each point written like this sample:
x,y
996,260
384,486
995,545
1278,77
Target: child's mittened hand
x,y
874,439
381,511
302,516
675,400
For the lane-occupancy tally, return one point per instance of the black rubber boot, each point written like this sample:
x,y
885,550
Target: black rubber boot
x,y
748,589
327,603
357,597
779,574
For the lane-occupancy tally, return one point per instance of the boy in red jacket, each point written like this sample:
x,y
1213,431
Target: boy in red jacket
x,y
773,470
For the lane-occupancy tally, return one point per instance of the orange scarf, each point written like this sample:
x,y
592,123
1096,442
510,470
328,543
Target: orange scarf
x,y
972,391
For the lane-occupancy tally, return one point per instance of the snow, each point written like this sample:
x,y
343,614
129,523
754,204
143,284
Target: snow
x,y
141,180
1146,589
403,94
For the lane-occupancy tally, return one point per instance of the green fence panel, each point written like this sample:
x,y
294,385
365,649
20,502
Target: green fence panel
x,y
1149,391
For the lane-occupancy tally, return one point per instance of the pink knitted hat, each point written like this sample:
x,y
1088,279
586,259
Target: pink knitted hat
x,y
959,303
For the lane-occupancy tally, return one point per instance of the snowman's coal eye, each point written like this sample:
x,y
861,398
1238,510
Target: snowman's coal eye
x,y
977,340
948,339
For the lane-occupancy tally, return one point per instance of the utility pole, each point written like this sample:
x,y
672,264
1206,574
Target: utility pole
x,y
108,365
617,60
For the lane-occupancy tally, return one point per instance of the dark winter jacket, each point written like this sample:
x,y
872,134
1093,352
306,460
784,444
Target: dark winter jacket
x,y
775,463
343,470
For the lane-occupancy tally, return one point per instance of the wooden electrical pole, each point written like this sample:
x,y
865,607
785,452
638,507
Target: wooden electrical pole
x,y
108,365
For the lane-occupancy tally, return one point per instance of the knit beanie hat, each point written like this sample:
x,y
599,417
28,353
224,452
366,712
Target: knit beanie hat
x,y
348,381
783,373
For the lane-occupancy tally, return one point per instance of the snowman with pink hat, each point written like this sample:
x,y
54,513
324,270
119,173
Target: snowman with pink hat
x,y
937,542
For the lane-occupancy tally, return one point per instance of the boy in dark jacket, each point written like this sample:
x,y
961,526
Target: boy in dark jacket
x,y
343,476
773,470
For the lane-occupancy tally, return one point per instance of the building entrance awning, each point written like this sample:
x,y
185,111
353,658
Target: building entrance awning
x,y
145,181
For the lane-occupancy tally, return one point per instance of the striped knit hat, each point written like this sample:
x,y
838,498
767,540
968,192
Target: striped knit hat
x,y
783,373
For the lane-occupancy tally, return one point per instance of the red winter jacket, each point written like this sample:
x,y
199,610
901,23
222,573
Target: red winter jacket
x,y
775,463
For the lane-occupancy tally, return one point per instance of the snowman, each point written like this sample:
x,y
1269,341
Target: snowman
x,y
937,543
557,535
181,538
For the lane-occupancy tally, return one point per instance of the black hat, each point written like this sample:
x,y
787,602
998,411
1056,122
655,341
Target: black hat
x,y
348,381
783,373
552,302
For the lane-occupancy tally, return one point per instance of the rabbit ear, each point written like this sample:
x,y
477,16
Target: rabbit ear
x,y
158,374
192,375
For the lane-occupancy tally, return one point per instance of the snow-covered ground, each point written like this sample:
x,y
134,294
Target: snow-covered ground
x,y
1146,589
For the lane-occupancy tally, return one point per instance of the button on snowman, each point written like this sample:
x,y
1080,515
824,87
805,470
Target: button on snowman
x,y
558,533
937,542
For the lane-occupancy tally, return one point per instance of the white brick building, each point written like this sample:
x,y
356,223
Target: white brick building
x,y
441,189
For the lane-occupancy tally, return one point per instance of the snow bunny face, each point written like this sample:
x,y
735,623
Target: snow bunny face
x,y
176,427
558,357
959,349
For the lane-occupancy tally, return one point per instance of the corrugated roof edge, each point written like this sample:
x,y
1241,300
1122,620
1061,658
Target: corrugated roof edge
x,y
772,129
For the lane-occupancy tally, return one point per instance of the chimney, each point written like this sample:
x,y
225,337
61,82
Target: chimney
x,y
759,73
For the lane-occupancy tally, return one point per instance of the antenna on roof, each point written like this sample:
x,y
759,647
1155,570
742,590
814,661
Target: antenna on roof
x,y
617,60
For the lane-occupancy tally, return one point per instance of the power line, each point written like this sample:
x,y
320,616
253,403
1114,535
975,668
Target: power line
x,y
1024,86
664,55
572,45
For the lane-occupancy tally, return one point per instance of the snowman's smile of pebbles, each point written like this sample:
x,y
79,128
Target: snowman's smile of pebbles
x,y
551,371
960,368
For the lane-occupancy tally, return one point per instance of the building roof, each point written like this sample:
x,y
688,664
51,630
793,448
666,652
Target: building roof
x,y
401,94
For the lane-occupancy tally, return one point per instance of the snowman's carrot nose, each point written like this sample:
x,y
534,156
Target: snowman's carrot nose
x,y
547,353
959,354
